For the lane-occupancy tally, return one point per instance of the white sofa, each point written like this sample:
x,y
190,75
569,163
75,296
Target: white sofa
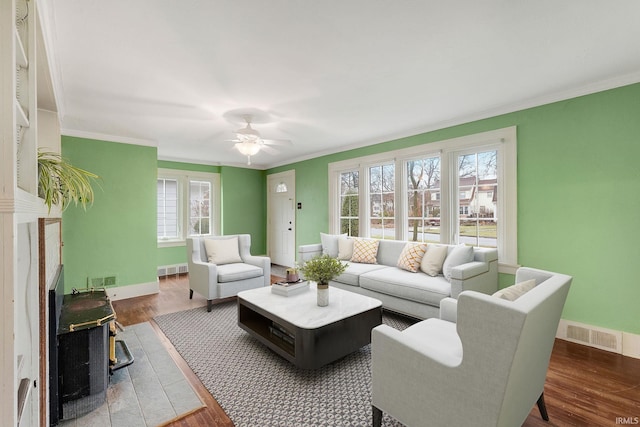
x,y
413,294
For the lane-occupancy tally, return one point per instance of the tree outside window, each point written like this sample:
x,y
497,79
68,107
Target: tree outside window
x,y
423,201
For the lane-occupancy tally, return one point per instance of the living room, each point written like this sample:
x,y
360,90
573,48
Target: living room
x,y
576,186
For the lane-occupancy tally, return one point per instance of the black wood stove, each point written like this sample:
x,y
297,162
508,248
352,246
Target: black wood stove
x,y
84,329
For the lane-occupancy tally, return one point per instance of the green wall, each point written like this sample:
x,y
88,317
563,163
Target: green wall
x,y
117,234
244,205
578,182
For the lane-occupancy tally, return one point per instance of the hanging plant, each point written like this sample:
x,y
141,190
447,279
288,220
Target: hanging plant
x,y
60,183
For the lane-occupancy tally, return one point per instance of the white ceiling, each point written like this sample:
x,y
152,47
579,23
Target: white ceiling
x,y
328,75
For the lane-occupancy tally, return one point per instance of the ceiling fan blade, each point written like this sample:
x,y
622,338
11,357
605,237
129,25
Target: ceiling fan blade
x,y
278,141
269,150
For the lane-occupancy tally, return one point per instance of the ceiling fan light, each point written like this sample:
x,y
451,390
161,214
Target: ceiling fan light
x,y
248,148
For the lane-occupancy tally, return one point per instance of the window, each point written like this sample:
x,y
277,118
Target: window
x,y
188,205
382,201
349,203
477,172
423,199
457,191
167,208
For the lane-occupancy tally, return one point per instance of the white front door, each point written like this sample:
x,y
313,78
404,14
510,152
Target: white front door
x,y
281,218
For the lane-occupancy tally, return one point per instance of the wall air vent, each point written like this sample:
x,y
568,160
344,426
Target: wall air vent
x,y
604,339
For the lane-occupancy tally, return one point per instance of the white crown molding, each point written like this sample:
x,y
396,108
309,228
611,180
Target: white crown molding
x,y
588,89
108,138
204,162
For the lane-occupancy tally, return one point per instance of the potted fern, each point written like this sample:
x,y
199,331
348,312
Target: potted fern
x,y
60,183
322,269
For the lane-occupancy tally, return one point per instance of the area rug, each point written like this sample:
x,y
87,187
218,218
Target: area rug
x,y
256,387
150,392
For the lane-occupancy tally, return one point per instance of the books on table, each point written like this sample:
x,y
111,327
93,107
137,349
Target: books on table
x,y
287,288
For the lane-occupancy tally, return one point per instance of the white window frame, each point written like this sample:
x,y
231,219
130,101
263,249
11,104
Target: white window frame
x,y
184,177
503,140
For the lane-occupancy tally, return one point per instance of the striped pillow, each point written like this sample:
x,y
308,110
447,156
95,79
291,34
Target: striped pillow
x,y
411,256
365,251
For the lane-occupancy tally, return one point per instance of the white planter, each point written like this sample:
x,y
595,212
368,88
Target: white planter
x,y
323,295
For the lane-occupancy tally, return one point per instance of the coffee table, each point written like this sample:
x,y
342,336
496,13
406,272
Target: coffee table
x,y
307,335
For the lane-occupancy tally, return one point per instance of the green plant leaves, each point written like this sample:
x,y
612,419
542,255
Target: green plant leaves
x,y
60,183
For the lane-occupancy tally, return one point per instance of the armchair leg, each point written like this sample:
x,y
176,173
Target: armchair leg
x,y
209,304
190,293
543,408
377,416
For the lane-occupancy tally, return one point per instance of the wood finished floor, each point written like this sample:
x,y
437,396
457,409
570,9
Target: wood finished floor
x,y
585,386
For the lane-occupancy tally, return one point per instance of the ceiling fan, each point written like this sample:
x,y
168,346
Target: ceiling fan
x,y
249,141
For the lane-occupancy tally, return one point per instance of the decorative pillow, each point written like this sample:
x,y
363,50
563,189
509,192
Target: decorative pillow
x,y
432,261
365,251
460,254
222,251
514,292
411,256
330,244
345,248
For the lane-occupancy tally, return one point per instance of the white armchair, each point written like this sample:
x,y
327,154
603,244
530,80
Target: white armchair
x,y
483,363
222,266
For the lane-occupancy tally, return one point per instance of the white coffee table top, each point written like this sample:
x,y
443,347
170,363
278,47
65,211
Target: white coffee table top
x,y
302,309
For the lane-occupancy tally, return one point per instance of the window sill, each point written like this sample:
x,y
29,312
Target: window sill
x,y
171,243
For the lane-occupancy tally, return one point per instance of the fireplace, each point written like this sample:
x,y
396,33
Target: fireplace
x,y
80,353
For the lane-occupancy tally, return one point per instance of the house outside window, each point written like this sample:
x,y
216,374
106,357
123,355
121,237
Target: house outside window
x,y
457,191
188,205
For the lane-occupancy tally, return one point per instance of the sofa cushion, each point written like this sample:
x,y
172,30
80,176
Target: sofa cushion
x,y
433,259
389,252
330,244
411,256
222,251
352,274
403,284
514,292
237,271
459,255
365,251
345,248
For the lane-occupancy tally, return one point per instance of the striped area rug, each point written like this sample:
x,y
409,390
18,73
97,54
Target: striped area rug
x,y
256,387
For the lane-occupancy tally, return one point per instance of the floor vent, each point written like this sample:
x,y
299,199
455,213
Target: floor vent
x,y
172,270
604,339
578,333
595,337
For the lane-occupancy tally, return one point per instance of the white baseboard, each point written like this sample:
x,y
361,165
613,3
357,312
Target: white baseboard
x,y
631,345
131,291
620,342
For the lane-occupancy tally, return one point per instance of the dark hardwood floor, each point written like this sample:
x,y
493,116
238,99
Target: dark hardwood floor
x,y
585,386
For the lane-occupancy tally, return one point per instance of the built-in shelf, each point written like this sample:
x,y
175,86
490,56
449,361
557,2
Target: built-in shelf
x,y
23,396
21,54
21,116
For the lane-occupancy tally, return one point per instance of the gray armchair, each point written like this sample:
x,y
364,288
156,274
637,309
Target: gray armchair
x,y
483,363
227,269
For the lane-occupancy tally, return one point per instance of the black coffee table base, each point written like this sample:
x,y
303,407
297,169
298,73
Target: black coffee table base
x,y
308,348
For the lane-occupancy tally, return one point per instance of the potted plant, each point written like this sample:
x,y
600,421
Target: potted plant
x,y
60,183
322,269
